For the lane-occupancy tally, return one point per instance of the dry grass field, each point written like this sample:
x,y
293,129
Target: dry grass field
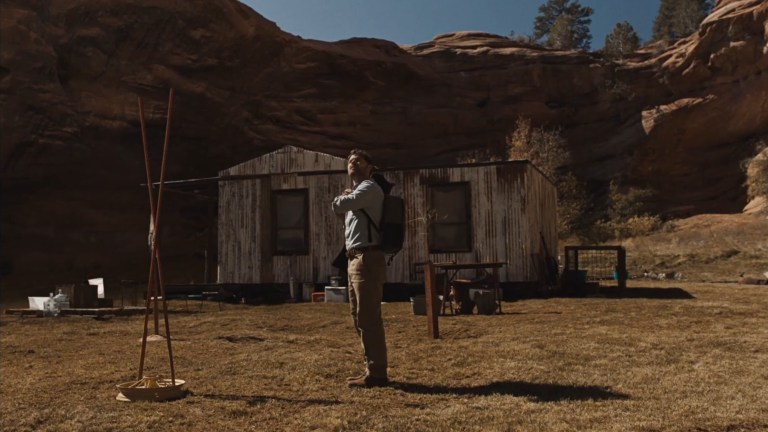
x,y
666,357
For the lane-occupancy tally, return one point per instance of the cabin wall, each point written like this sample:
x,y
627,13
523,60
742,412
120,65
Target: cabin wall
x,y
245,236
511,204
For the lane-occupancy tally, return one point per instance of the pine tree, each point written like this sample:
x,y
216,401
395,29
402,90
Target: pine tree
x,y
565,24
679,18
621,41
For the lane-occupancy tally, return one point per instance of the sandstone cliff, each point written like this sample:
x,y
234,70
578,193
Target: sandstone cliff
x,y
679,119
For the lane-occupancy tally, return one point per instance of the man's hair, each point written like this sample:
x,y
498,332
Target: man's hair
x,y
362,154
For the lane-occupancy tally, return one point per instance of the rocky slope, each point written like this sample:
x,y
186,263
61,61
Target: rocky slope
x,y
679,119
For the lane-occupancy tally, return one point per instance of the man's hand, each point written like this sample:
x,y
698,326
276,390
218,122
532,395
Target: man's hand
x,y
346,192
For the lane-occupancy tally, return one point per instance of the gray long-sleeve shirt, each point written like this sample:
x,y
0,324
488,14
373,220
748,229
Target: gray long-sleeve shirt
x,y
369,196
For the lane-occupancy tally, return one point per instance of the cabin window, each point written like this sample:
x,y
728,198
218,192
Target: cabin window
x,y
450,227
290,218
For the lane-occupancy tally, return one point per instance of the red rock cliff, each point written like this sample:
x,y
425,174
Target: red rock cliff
x,y
679,119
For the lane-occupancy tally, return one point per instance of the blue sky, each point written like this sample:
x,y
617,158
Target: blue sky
x,y
408,22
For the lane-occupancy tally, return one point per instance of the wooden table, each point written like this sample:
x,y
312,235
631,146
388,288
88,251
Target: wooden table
x,y
453,268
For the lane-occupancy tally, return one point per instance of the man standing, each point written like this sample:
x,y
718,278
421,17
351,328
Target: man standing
x,y
367,266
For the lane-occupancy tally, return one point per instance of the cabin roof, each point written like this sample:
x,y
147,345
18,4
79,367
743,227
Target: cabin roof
x,y
296,160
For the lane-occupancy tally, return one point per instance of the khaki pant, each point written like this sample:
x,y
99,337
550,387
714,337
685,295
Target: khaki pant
x,y
366,274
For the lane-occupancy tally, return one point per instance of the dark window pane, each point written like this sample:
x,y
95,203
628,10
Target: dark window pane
x,y
290,240
290,210
450,204
290,219
450,230
450,237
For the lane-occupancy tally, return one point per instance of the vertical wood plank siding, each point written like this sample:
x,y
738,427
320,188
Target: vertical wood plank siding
x,y
511,203
245,239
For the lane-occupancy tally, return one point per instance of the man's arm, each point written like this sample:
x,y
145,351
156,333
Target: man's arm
x,y
365,195
341,215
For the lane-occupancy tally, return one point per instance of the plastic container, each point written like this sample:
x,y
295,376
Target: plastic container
x,y
62,300
292,289
307,289
50,307
336,294
485,301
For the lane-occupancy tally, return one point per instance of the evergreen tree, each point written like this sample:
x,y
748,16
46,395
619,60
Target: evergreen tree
x,y
562,34
621,41
565,24
679,18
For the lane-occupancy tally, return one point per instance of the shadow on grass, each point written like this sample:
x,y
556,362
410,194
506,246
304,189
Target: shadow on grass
x,y
254,400
538,392
651,293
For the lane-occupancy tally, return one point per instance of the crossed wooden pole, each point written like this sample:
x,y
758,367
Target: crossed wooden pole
x,y
155,285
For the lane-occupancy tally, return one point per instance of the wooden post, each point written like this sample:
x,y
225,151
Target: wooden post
x,y
430,291
496,290
621,268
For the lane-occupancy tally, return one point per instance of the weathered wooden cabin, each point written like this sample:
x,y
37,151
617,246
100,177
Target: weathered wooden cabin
x,y
275,219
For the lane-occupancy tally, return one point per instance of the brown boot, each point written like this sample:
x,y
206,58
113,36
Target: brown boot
x,y
368,381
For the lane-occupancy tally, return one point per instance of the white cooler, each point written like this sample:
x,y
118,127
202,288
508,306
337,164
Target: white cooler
x,y
334,294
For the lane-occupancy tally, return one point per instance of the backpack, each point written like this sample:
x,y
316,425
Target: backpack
x,y
392,227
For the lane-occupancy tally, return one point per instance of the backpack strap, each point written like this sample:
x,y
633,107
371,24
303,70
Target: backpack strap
x,y
370,222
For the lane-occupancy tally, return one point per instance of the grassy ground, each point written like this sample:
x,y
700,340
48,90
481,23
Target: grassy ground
x,y
668,357
707,248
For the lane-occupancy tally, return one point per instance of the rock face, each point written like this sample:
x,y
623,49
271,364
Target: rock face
x,y
679,119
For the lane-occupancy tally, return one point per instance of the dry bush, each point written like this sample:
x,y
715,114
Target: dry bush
x,y
626,202
572,201
548,150
757,172
634,226
641,225
626,215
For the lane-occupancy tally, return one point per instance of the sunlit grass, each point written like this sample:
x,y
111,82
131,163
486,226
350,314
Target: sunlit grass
x,y
674,357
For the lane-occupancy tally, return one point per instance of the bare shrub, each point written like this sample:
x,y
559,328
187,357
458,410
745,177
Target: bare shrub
x,y
548,150
637,226
627,216
758,185
757,172
477,155
571,204
627,202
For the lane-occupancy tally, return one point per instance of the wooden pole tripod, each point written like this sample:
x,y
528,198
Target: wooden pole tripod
x,y
155,285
